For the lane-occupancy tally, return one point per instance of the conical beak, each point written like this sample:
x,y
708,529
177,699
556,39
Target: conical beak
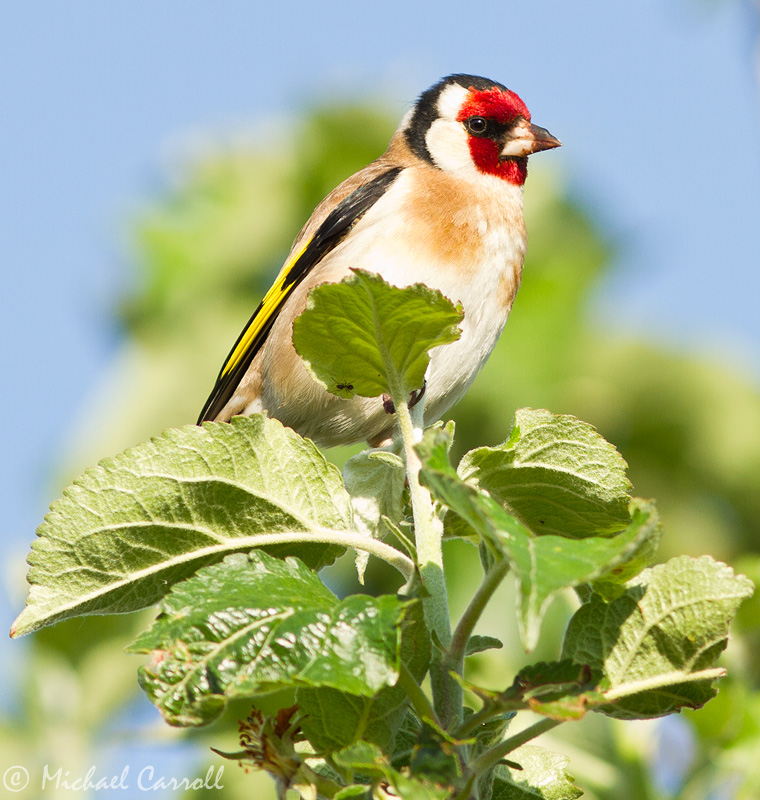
x,y
526,138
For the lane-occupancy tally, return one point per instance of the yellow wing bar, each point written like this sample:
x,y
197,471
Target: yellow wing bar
x,y
271,302
332,230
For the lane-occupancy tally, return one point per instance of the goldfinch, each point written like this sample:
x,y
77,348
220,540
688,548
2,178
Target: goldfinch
x,y
442,206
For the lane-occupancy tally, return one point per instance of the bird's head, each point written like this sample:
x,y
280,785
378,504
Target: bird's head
x,y
469,125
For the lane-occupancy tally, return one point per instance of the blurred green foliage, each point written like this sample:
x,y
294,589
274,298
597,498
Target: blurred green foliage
x,y
689,428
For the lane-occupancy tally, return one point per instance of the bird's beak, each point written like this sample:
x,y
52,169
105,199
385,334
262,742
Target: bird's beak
x,y
526,138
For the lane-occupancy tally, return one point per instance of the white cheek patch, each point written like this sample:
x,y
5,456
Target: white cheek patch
x,y
451,100
446,139
447,144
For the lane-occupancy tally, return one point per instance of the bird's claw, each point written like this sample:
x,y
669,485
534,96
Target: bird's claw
x,y
414,398
417,395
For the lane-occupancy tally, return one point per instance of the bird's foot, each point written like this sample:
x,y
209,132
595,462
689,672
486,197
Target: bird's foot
x,y
414,398
417,395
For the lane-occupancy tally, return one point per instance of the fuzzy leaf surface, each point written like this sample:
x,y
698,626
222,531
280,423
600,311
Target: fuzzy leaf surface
x,y
543,777
479,644
543,565
555,474
255,623
364,337
652,642
375,481
130,528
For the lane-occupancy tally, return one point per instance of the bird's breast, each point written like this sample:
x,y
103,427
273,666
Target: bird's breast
x,y
425,229
466,241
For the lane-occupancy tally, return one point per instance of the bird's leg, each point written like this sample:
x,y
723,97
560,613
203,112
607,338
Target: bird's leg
x,y
417,395
414,398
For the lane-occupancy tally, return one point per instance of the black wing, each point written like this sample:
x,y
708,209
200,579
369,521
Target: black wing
x,y
335,226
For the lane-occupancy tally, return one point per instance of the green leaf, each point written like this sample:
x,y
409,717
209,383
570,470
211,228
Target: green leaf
x,y
255,624
656,643
414,787
334,719
487,735
478,644
364,757
555,474
561,690
612,583
355,790
542,777
370,761
375,481
136,524
491,732
365,337
543,565
434,755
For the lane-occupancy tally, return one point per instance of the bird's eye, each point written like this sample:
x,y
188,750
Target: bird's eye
x,y
477,126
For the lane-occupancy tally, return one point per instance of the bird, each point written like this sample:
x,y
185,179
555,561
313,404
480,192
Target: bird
x,y
441,206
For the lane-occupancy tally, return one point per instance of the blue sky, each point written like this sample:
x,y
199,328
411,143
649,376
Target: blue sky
x,y
656,103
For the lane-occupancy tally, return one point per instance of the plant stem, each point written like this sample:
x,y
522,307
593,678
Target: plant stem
x,y
428,534
476,720
386,552
417,697
492,756
374,547
472,613
427,528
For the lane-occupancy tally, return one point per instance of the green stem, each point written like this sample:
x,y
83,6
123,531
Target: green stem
x,y
400,536
490,758
417,697
466,793
472,613
476,720
428,534
427,528
374,547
